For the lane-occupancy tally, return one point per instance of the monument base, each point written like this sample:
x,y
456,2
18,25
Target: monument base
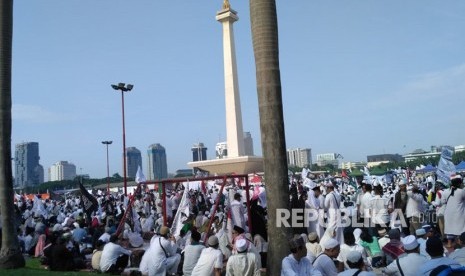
x,y
238,165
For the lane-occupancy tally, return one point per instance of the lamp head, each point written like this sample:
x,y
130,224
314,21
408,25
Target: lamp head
x,y
129,87
114,86
121,85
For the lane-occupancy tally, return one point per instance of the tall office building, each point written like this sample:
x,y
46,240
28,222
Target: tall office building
x,y
133,161
299,157
28,171
157,168
62,170
199,152
248,144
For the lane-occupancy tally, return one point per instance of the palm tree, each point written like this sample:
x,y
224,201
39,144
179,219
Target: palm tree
x,y
265,44
10,253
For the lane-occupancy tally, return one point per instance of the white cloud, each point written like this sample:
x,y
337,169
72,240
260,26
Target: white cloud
x,y
36,114
450,81
429,88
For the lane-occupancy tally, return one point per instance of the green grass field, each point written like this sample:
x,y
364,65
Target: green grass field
x,y
33,267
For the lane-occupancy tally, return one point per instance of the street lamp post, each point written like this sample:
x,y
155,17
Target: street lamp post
x,y
123,88
108,166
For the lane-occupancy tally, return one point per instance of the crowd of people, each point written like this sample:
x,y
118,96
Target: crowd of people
x,y
410,225
413,225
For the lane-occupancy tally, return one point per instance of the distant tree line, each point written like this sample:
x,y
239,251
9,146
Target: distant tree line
x,y
72,184
456,159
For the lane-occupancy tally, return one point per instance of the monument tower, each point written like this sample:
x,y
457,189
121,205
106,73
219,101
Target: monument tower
x,y
234,131
236,160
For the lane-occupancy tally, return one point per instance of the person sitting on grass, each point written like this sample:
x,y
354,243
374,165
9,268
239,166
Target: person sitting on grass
x,y
114,257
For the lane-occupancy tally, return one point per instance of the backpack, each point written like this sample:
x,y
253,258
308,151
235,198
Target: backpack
x,y
447,270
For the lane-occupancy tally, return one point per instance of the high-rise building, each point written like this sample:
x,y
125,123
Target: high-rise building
x,y
157,168
327,159
133,161
299,157
62,170
199,152
28,171
248,144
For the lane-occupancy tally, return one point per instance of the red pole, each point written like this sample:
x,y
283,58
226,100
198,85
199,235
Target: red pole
x,y
163,194
128,210
247,197
217,202
124,147
108,172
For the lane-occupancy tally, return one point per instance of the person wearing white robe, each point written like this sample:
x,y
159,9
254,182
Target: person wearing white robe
x,y
454,199
313,203
295,264
238,211
332,205
243,263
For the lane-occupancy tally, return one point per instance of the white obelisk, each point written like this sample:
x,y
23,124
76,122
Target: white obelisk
x,y
234,130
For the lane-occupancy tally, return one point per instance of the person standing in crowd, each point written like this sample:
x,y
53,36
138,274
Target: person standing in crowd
x,y
407,264
296,263
435,249
365,205
399,205
356,265
238,211
324,262
210,262
333,205
414,209
313,203
439,205
378,206
360,192
454,199
243,263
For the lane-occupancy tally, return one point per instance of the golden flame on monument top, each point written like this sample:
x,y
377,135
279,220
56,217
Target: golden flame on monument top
x,y
226,5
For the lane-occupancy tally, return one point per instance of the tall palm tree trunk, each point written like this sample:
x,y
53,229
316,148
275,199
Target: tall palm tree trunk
x,y
265,44
10,253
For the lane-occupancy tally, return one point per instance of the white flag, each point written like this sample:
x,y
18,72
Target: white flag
x,y
140,177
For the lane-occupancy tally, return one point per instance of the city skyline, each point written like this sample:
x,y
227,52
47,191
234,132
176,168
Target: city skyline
x,y
357,78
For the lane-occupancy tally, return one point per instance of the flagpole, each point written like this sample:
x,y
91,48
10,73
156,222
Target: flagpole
x,y
108,166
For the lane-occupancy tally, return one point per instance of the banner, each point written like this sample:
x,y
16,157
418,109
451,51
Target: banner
x,y
88,201
445,166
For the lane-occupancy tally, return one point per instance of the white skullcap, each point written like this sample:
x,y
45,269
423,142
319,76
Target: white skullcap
x,y
241,245
420,232
357,233
410,242
330,244
354,256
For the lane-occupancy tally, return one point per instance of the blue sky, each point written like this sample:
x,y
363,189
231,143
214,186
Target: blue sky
x,y
358,77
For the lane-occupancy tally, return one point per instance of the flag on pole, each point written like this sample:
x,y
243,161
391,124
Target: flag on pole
x,y
344,174
88,201
445,166
140,177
